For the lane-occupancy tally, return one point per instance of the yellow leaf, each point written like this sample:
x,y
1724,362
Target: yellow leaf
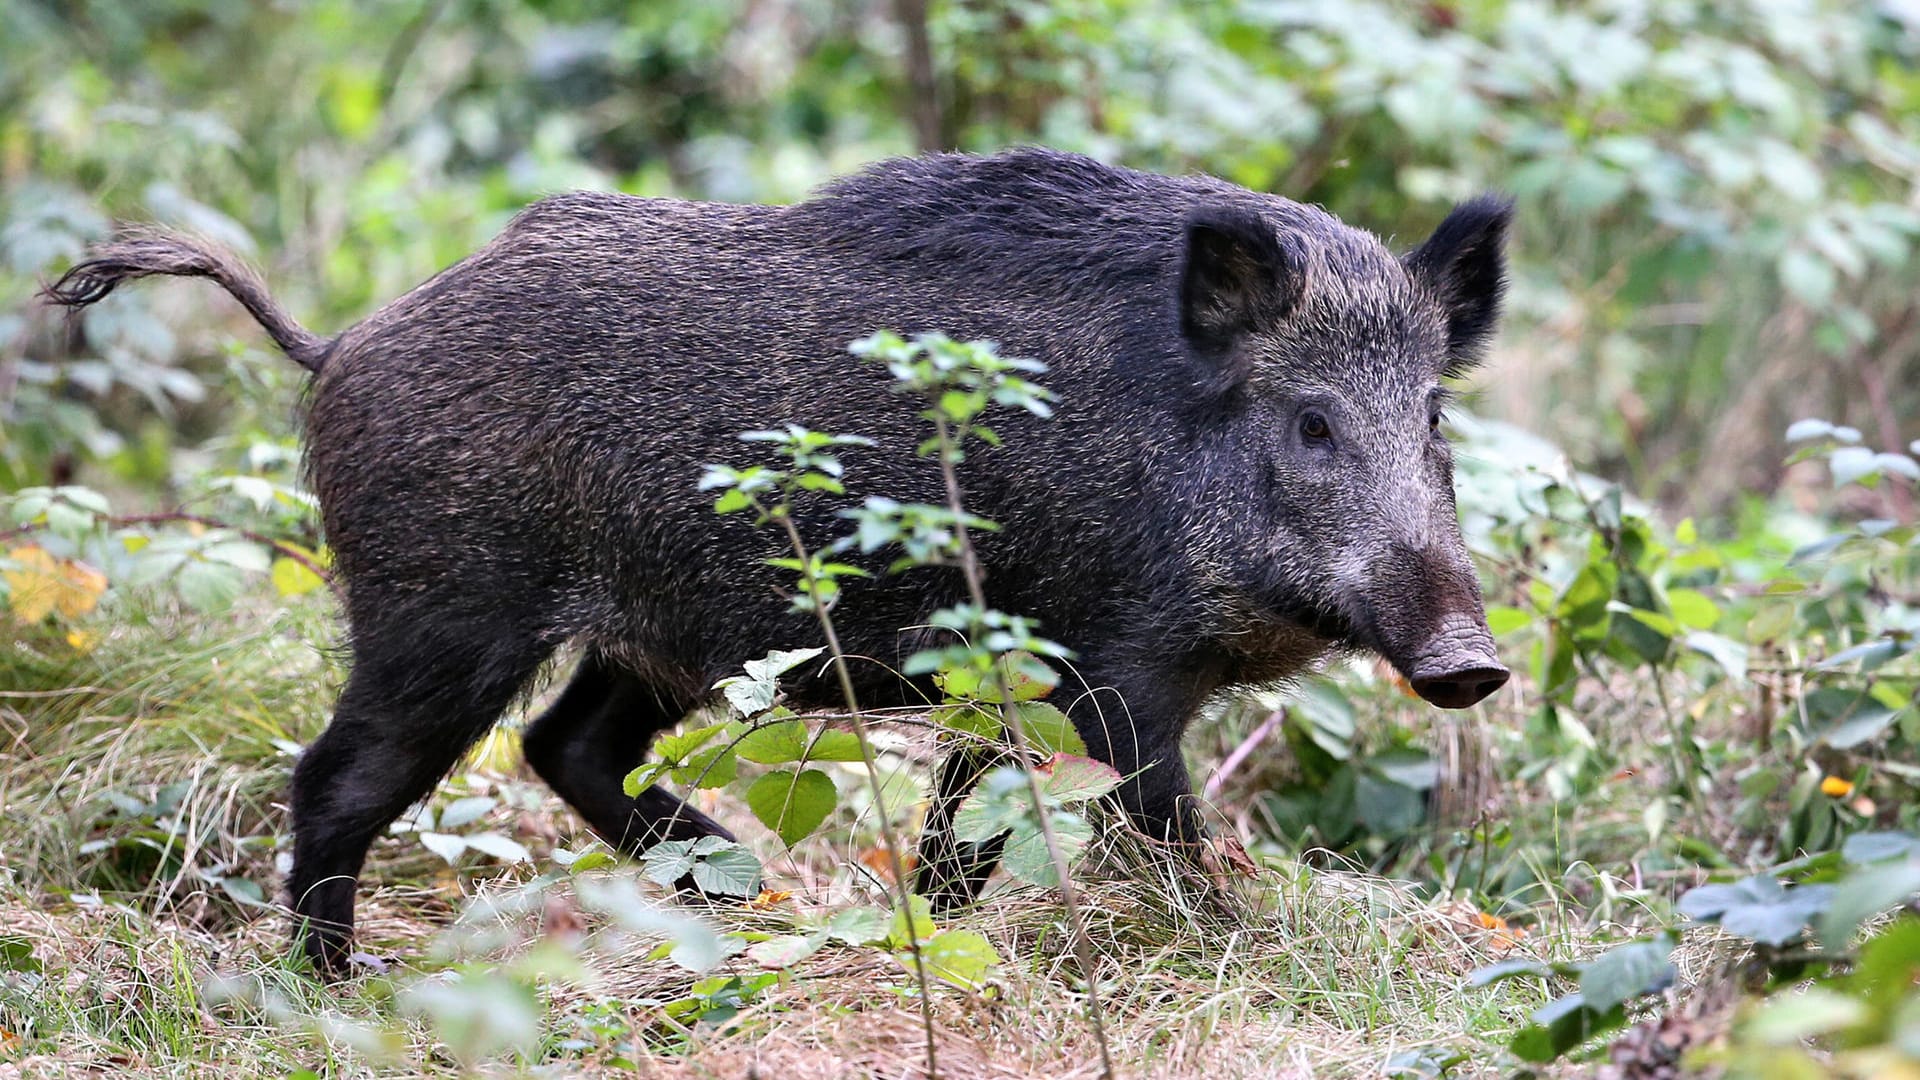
x,y
1836,787
41,585
82,641
291,578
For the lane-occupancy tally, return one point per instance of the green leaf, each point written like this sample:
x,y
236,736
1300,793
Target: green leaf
x,y
668,861
1808,277
1863,726
1850,464
960,958
1726,652
714,767
1027,678
1026,857
239,554
1507,969
898,934
16,953
208,587
445,845
466,811
1865,893
643,777
1869,655
1048,730
730,871
778,744
1505,620
500,847
754,692
970,720
786,951
1792,1018
994,807
834,744
1801,430
1693,609
592,860
1872,847
774,744
1560,1026
792,805
1626,972
674,749
1758,908
859,926
1072,780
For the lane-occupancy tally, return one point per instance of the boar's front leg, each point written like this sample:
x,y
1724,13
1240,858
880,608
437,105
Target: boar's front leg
x,y
1136,732
1134,723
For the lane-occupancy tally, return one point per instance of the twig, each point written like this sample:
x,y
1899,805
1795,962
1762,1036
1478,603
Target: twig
x,y
902,895
1242,752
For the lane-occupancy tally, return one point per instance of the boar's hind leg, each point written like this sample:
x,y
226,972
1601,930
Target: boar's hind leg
x,y
404,718
587,742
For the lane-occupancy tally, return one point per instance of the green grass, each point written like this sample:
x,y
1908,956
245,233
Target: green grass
x,y
137,776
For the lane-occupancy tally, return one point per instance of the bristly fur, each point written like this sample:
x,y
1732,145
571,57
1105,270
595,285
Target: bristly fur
x,y
1241,476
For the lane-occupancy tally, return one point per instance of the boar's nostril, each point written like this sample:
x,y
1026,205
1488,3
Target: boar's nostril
x,y
1463,688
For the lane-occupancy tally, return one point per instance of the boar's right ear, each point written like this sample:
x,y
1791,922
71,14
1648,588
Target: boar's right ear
x,y
1236,278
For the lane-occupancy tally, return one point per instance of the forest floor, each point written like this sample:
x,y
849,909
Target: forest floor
x,y
142,837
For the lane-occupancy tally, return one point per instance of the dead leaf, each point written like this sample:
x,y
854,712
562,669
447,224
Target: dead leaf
x,y
877,860
560,919
41,585
1224,857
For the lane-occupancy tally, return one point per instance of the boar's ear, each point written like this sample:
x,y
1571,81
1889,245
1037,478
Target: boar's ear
x,y
1464,262
1236,278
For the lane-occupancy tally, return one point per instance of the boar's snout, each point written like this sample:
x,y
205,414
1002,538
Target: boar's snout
x,y
1457,668
1461,688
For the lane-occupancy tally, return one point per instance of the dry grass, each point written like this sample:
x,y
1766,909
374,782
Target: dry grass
x,y
1308,972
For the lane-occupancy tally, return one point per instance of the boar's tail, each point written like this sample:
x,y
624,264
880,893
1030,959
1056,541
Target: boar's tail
x,y
152,251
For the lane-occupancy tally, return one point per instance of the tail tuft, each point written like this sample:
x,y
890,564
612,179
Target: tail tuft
x,y
146,252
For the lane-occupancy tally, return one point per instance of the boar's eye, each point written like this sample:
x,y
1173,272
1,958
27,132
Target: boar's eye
x,y
1314,427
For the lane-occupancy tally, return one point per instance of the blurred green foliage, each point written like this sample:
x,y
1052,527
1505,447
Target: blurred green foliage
x,y
1716,198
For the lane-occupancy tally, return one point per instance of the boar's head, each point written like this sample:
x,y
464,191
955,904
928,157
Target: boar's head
x,y
1325,358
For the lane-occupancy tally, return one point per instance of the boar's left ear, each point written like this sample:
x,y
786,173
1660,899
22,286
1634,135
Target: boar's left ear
x,y
1236,278
1465,263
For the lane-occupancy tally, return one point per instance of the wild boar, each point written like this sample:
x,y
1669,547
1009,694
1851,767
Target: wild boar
x,y
1246,471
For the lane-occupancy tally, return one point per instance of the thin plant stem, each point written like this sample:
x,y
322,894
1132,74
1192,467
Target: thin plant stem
x,y
976,591
901,895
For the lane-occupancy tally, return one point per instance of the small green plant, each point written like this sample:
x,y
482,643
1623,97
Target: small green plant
x,y
989,668
1797,951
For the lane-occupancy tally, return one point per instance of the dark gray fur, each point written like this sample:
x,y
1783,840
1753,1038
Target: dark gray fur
x,y
505,460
